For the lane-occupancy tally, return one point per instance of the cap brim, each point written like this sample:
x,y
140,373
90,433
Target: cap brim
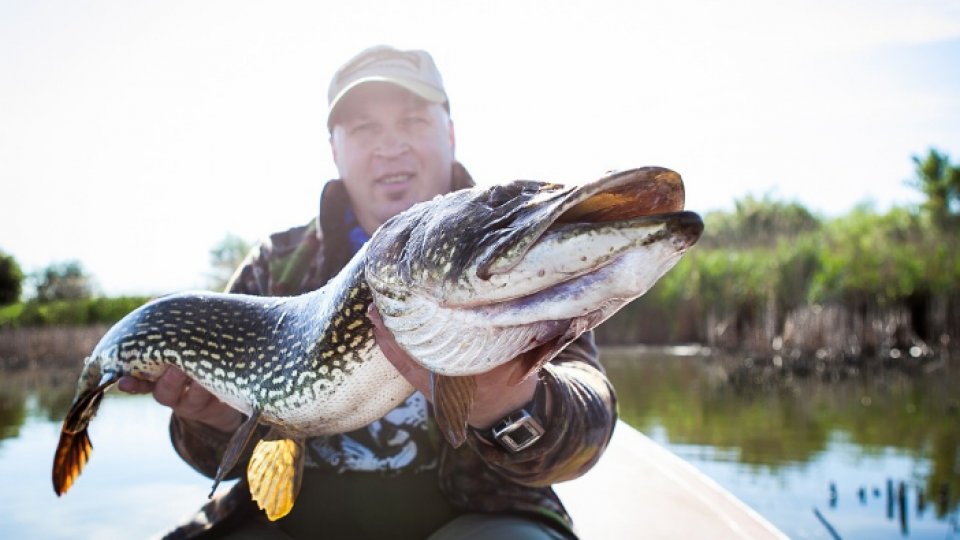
x,y
426,91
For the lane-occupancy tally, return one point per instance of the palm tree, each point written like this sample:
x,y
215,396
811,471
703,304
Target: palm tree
x,y
940,182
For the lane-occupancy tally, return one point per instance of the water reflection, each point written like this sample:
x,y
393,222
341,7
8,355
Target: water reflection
x,y
877,454
133,487
53,387
852,433
12,414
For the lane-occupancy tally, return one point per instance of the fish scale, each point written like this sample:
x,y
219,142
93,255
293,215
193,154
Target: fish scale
x,y
250,351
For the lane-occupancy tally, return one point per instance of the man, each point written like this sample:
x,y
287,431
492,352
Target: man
x,y
393,143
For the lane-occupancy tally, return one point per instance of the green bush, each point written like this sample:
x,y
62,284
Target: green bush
x,y
69,312
738,273
11,280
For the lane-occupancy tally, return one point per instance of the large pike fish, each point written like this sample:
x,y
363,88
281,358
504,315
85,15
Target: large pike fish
x,y
465,282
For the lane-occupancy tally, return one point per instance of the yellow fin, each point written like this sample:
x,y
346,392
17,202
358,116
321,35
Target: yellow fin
x,y
274,475
452,400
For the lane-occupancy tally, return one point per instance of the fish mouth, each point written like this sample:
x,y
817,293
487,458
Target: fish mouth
x,y
648,195
627,195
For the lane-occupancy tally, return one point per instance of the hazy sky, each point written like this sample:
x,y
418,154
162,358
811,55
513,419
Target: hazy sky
x,y
136,135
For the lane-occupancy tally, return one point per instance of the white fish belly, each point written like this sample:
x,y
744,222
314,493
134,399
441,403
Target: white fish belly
x,y
346,401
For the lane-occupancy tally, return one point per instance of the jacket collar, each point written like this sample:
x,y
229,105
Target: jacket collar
x,y
334,200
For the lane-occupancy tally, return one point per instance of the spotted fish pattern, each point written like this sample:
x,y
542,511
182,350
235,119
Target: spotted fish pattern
x,y
293,359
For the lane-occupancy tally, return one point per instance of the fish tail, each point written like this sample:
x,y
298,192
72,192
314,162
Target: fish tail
x,y
73,451
74,447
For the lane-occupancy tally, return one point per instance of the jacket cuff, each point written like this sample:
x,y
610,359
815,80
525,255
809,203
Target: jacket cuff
x,y
200,445
579,426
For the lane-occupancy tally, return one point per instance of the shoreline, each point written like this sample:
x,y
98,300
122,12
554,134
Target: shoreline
x,y
42,347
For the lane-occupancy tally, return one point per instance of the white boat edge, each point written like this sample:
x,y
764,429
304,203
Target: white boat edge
x,y
640,489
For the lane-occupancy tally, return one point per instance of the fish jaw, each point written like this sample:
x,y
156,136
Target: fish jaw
x,y
479,233
572,256
615,273
573,279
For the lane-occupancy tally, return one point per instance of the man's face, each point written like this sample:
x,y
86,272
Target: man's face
x,y
392,148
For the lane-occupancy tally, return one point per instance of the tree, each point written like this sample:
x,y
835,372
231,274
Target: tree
x,y
63,281
940,182
11,279
225,257
758,223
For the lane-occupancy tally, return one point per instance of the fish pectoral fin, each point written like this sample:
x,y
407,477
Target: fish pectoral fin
x,y
74,448
274,474
238,443
452,400
532,360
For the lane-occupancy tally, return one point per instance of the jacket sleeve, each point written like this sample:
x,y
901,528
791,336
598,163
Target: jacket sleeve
x,y
582,415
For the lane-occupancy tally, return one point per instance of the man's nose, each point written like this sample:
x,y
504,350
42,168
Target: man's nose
x,y
392,143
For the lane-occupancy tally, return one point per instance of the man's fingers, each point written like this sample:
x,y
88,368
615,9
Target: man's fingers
x,y
393,352
175,390
133,385
193,400
169,387
374,315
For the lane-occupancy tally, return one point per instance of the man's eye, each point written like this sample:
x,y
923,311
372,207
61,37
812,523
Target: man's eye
x,y
365,127
412,121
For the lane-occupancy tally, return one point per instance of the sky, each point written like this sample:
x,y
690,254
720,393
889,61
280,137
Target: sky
x,y
134,136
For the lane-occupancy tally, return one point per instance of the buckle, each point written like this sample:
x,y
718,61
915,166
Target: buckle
x,y
517,431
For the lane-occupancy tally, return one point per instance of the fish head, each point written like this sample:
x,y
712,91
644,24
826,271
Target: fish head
x,y
475,278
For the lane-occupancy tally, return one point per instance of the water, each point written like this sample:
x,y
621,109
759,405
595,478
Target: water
x,y
789,445
134,486
778,443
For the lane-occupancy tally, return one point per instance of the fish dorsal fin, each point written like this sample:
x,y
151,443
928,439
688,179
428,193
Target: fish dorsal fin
x,y
452,400
238,443
274,474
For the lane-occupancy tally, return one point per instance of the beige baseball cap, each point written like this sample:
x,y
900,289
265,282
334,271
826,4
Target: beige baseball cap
x,y
413,70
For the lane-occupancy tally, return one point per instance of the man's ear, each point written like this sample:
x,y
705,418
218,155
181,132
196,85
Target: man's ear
x,y
453,137
333,151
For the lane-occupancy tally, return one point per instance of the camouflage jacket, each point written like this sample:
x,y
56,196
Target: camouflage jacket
x,y
477,477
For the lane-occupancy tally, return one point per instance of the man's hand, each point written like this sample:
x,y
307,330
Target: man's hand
x,y
188,401
495,398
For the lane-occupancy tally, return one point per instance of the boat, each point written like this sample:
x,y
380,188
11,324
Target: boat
x,y
639,489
